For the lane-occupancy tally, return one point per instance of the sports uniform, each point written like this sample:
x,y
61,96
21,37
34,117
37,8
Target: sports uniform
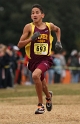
x,y
39,50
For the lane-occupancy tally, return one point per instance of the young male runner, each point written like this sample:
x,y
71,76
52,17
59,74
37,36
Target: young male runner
x,y
37,40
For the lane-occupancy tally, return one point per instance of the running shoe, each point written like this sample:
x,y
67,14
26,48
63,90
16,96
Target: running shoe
x,y
49,102
40,109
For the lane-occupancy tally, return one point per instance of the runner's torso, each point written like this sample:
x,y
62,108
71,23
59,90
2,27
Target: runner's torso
x,y
40,48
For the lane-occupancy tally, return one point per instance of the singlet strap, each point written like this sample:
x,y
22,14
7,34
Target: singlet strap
x,y
48,24
33,26
50,37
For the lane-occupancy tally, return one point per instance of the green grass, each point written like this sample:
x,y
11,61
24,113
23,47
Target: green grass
x,y
27,91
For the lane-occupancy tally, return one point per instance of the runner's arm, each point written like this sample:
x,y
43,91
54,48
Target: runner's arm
x,y
24,40
57,31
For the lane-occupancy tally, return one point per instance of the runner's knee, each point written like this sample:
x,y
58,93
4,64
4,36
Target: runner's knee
x,y
35,76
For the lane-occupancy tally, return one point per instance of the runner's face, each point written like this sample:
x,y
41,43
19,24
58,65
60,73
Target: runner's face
x,y
36,15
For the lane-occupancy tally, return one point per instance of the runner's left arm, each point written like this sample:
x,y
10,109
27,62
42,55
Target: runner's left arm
x,y
56,29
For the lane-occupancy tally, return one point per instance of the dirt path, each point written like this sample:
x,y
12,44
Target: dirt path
x,y
20,110
24,114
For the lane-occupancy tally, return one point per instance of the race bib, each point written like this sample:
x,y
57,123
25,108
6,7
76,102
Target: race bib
x,y
41,48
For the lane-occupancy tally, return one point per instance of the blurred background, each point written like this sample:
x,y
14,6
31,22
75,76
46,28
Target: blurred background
x,y
14,14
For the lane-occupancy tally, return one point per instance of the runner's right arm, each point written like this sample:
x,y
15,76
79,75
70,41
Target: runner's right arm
x,y
24,40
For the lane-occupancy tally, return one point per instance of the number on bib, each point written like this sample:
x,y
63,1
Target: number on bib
x,y
41,48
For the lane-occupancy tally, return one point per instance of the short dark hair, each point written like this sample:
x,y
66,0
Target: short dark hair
x,y
39,7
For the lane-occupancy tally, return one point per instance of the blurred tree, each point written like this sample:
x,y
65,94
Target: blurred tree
x,y
70,16
64,13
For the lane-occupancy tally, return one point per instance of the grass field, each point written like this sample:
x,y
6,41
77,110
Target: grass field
x,y
17,105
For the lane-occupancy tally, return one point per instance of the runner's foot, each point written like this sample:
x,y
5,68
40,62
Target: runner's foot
x,y
40,109
49,102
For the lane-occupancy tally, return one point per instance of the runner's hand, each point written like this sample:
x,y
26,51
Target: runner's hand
x,y
35,35
58,46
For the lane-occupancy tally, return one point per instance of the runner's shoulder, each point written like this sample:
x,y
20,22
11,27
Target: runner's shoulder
x,y
27,27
